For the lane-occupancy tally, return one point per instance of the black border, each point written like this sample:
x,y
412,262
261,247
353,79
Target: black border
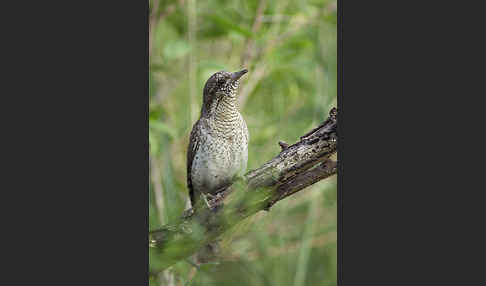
x,y
82,139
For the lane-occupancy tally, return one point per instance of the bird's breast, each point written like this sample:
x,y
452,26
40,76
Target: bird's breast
x,y
219,158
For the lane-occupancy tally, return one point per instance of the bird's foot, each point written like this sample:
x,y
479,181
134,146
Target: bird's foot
x,y
219,196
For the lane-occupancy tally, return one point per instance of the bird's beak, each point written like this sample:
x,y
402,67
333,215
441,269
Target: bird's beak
x,y
236,75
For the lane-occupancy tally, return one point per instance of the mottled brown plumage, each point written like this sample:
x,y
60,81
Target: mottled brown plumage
x,y
218,145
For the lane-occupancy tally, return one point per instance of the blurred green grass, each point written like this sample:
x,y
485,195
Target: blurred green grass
x,y
290,52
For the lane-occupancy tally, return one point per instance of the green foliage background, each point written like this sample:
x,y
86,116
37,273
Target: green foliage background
x,y
289,48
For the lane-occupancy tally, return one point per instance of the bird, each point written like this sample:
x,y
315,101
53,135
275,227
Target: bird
x,y
218,143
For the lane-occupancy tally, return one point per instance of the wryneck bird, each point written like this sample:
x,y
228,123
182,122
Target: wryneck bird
x,y
218,145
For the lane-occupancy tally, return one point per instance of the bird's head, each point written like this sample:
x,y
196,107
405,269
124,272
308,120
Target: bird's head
x,y
220,85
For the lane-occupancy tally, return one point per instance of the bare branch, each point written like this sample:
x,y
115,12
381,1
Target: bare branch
x,y
295,168
283,145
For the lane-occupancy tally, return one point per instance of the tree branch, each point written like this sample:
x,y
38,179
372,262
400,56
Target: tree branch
x,y
295,168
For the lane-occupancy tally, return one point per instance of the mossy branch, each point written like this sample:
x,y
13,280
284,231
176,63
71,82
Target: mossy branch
x,y
295,168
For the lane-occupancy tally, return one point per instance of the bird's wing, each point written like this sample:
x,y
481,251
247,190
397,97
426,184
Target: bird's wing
x,y
194,141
